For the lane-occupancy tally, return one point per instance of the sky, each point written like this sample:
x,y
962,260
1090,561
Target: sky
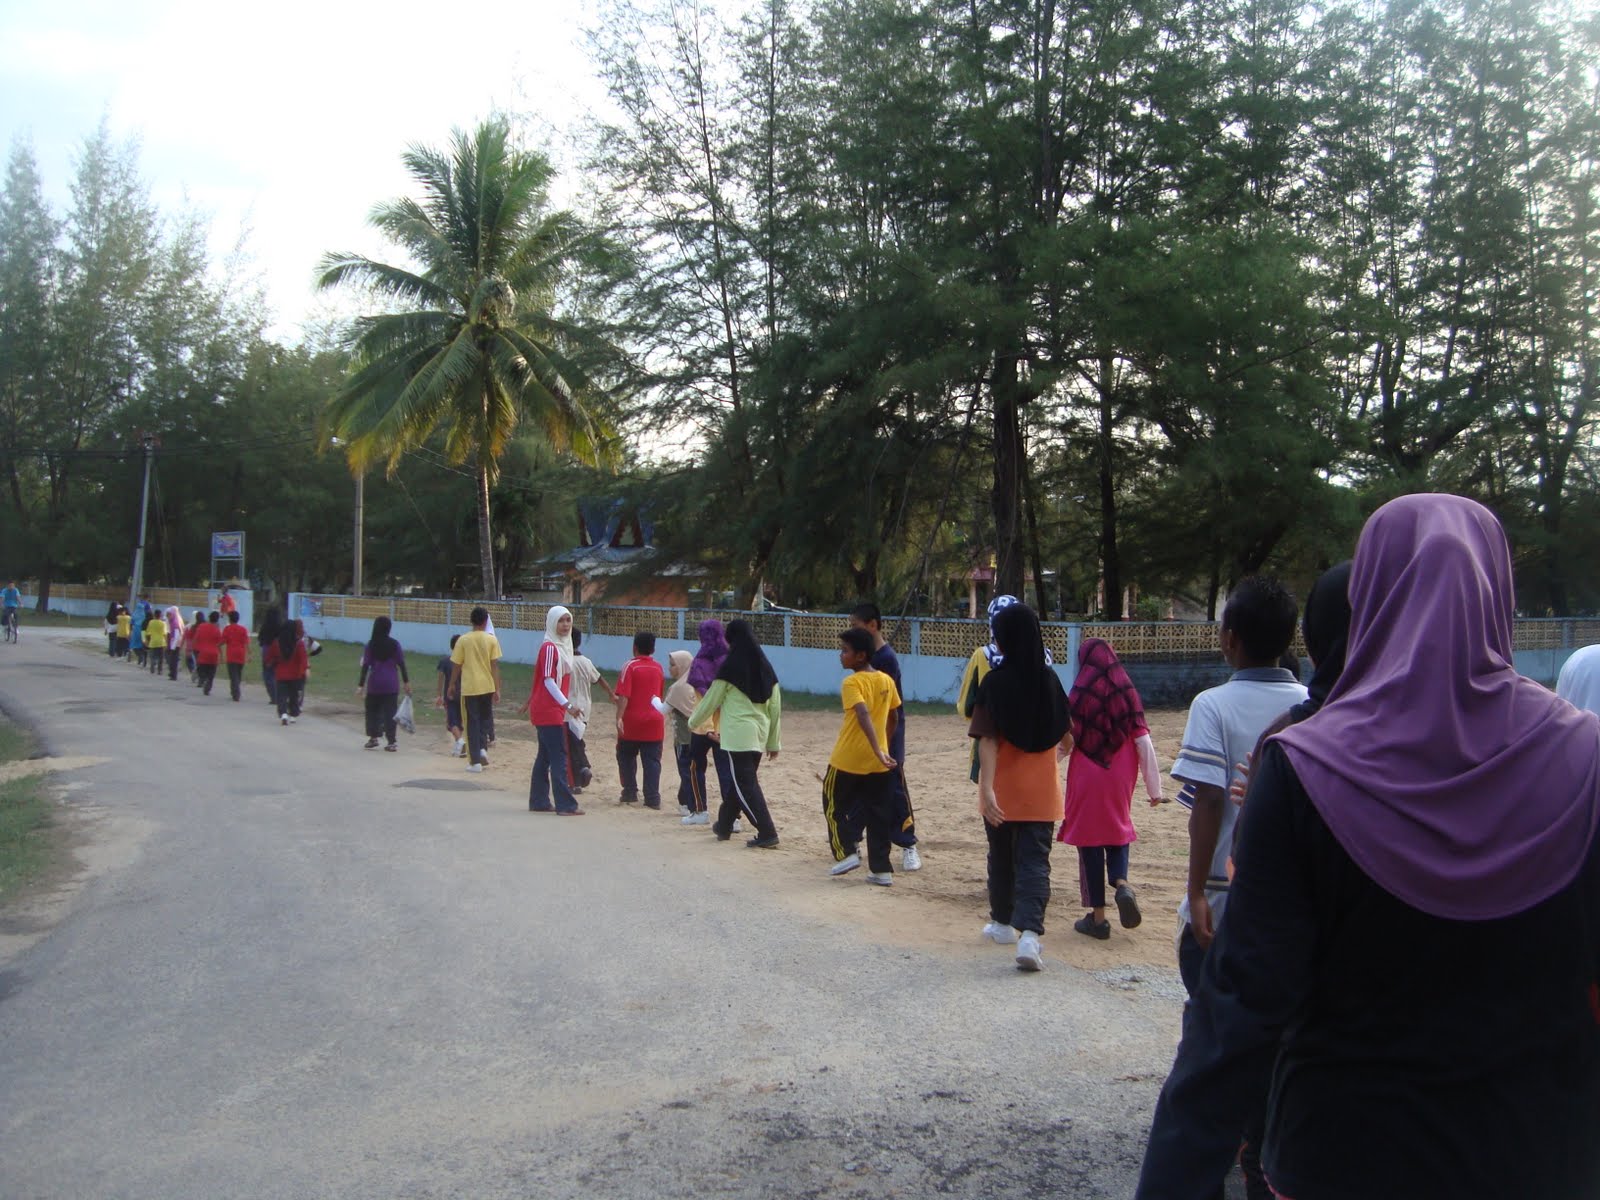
x,y
285,123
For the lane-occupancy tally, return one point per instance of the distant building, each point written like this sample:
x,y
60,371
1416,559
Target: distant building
x,y
616,540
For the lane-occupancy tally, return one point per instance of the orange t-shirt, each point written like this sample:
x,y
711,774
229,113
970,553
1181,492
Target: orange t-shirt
x,y
1027,787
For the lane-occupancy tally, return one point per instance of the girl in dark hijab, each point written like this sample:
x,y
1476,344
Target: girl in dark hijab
x,y
746,702
1021,725
746,666
271,625
383,674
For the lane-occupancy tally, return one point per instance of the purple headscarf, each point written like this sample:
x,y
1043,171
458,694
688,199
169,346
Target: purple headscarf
x,y
713,650
1460,787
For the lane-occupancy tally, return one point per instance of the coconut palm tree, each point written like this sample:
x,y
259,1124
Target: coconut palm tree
x,y
470,342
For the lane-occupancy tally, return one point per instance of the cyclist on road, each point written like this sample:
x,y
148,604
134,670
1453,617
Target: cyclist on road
x,y
11,603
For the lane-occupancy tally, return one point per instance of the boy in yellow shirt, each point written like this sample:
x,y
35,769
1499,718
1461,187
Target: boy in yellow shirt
x,y
856,791
155,641
475,677
124,630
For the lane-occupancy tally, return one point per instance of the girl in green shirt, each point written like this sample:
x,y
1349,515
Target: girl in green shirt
x,y
746,695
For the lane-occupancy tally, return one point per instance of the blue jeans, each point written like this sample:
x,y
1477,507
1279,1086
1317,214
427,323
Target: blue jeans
x,y
550,771
1098,866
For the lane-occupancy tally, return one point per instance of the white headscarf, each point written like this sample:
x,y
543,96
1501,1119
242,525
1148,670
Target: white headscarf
x,y
1579,682
563,643
174,620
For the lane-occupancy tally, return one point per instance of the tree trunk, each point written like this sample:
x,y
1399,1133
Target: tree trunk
x,y
1110,557
1035,557
1006,498
485,539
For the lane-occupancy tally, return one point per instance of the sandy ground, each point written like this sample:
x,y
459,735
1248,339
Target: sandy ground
x,y
949,892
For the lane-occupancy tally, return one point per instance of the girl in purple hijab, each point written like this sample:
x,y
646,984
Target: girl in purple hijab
x,y
1411,958
708,660
703,745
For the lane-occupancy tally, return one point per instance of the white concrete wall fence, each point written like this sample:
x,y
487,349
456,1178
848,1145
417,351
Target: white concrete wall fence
x,y
1169,662
188,600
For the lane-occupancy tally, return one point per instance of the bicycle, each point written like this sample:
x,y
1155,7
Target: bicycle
x,y
11,624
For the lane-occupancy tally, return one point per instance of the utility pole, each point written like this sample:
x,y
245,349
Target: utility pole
x,y
150,442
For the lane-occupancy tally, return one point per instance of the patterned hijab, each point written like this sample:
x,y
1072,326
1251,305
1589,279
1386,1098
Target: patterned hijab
x,y
1105,706
1457,785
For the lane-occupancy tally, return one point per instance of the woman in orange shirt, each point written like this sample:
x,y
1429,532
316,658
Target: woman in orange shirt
x,y
1021,722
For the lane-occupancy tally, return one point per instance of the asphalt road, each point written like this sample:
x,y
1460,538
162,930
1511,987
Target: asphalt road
x,y
301,970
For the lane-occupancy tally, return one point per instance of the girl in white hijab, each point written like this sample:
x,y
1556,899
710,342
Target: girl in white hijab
x,y
1579,681
549,708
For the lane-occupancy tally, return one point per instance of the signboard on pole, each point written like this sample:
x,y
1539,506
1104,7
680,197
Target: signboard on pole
x,y
227,547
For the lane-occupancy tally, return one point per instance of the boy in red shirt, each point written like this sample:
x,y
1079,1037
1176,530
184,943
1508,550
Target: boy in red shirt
x,y
207,645
640,723
236,649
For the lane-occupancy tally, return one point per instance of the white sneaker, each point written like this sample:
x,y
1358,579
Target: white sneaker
x,y
683,811
910,860
688,817
845,865
1028,956
738,825
461,748
283,720
884,880
292,720
483,758
1000,935
700,818
475,768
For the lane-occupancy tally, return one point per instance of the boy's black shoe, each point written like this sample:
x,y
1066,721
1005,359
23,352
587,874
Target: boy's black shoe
x,y
763,843
656,806
722,834
628,798
1086,925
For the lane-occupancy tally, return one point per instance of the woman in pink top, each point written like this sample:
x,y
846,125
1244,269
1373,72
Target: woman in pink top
x,y
1110,746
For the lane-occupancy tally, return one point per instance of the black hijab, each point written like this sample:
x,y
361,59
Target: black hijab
x,y
1023,695
288,638
1327,629
271,623
746,666
381,646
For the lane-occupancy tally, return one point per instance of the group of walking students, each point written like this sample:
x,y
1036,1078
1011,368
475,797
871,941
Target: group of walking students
x,y
161,640
1390,934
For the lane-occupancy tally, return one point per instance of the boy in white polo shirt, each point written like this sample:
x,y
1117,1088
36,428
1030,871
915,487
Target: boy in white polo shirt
x,y
1222,730
1223,727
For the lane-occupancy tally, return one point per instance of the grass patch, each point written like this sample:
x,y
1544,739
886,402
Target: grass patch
x,y
334,673
26,847
57,620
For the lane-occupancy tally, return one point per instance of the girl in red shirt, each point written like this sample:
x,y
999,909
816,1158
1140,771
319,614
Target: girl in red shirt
x,y
290,665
